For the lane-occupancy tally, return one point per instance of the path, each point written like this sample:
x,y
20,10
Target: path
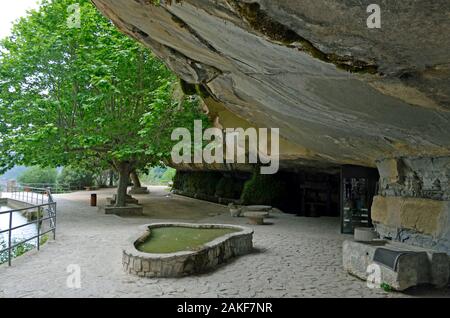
x,y
295,257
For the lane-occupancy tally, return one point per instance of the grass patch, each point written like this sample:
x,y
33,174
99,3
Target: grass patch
x,y
386,287
175,239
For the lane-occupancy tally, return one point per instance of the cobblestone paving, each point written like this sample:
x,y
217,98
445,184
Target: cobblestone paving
x,y
294,257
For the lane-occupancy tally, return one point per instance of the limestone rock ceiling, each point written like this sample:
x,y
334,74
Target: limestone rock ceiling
x,y
341,92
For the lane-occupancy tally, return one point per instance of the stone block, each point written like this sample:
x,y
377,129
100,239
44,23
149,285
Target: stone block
x,y
425,216
128,210
145,266
389,170
365,234
137,264
422,266
139,190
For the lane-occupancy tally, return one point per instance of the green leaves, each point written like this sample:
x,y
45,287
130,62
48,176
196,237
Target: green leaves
x,y
71,95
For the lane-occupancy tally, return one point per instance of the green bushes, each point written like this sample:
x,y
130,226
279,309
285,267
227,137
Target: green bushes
x,y
208,183
197,182
75,178
264,189
229,187
38,175
258,189
17,251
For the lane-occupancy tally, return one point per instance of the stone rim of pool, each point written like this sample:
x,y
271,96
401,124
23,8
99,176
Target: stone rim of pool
x,y
182,263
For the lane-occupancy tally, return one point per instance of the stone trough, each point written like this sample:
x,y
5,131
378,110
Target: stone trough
x,y
403,266
185,263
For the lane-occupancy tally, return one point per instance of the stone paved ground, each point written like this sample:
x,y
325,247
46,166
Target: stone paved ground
x,y
295,257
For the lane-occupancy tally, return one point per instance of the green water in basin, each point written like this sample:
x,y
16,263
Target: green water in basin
x,y
175,239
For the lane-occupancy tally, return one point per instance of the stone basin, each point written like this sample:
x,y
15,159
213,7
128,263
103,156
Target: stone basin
x,y
258,208
182,263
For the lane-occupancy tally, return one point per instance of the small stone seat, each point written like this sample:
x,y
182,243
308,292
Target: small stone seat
x,y
258,208
138,190
256,218
128,200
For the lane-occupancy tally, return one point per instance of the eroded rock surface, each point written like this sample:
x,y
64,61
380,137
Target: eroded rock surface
x,y
339,91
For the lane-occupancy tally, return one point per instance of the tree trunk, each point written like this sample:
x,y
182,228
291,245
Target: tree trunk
x,y
135,178
123,168
111,178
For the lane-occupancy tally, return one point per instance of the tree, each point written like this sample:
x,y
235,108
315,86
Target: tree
x,y
86,95
38,176
75,177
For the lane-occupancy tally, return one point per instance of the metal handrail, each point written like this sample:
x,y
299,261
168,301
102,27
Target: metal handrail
x,y
30,195
49,207
25,209
25,224
56,187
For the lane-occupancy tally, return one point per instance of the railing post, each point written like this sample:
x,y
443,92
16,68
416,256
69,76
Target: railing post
x,y
9,238
41,209
54,220
38,245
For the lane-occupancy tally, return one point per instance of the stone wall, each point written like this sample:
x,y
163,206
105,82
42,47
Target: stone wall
x,y
413,205
185,263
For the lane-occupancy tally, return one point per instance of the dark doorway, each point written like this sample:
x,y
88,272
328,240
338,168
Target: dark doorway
x,y
319,194
358,187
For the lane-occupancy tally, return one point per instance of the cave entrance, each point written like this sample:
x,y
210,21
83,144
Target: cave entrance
x,y
318,194
346,192
358,187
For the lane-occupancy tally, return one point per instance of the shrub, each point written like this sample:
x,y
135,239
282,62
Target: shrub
x,y
179,180
38,175
264,189
197,182
76,178
229,187
17,251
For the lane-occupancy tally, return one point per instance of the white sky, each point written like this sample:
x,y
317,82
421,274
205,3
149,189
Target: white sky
x,y
10,10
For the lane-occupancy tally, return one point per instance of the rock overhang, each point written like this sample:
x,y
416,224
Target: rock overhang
x,y
291,76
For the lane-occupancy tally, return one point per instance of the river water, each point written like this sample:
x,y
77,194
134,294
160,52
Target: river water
x,y
17,219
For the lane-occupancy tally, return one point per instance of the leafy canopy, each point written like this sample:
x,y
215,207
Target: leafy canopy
x,y
83,96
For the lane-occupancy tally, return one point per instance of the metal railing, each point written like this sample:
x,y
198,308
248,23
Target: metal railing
x,y
44,211
30,195
56,187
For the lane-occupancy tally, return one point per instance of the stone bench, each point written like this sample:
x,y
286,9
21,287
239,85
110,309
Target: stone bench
x,y
258,208
139,190
128,210
128,200
407,266
256,218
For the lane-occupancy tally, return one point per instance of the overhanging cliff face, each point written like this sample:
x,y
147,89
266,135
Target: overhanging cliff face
x,y
340,93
